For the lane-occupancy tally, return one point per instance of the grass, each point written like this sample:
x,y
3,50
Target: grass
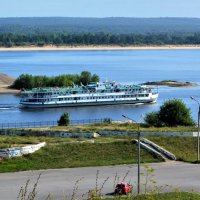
x,y
130,127
78,155
163,196
184,148
104,151
17,141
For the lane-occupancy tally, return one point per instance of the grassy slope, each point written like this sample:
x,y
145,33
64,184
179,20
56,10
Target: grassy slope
x,y
183,147
16,141
77,155
105,151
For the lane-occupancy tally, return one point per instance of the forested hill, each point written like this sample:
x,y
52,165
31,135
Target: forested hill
x,y
107,25
98,31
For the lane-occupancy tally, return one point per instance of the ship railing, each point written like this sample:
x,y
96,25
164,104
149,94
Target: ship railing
x,y
49,123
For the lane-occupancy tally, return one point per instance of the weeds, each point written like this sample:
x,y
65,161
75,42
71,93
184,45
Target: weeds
x,y
75,189
23,193
95,194
148,177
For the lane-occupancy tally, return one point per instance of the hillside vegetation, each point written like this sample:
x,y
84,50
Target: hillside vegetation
x,y
80,152
78,155
116,25
98,31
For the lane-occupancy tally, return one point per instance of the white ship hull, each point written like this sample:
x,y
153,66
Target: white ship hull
x,y
98,102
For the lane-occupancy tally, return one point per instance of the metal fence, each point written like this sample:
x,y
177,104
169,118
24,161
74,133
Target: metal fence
x,y
48,123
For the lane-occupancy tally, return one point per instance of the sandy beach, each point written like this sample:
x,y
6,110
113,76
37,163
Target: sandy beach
x,y
102,47
4,89
5,82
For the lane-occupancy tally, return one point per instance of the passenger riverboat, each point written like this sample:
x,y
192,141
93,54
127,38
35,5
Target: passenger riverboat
x,y
93,94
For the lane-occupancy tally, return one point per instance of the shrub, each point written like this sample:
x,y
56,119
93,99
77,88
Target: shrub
x,y
172,113
152,119
64,120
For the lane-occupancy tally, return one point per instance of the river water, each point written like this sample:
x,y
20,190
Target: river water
x,y
124,66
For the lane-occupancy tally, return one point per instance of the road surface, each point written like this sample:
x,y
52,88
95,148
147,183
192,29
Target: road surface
x,y
60,182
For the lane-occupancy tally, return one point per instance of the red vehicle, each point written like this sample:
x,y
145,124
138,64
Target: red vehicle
x,y
123,188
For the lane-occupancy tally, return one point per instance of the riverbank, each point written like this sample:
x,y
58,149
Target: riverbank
x,y
100,47
5,82
4,89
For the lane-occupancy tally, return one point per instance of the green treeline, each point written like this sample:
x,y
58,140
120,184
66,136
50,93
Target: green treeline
x,y
27,81
63,38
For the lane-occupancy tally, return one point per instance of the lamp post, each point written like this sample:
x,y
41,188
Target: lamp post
x,y
198,126
138,154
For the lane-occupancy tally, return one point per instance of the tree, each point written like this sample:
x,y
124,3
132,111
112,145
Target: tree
x,y
27,81
172,113
24,81
85,77
95,78
64,119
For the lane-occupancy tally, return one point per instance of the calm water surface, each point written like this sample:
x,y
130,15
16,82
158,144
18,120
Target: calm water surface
x,y
127,66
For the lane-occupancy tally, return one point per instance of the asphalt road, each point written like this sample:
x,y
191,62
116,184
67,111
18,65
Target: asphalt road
x,y
60,182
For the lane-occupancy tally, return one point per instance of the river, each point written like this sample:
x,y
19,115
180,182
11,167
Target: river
x,y
125,66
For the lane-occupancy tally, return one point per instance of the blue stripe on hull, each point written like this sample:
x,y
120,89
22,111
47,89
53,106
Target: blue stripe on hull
x,y
85,104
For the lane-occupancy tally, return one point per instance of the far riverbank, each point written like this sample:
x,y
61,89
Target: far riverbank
x,y
101,47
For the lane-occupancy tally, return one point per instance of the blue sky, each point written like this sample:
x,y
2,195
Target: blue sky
x,y
100,8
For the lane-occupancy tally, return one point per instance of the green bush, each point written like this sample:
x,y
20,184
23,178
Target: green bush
x,y
64,120
152,119
172,113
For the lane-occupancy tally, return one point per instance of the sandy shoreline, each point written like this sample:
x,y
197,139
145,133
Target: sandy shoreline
x,y
53,48
6,90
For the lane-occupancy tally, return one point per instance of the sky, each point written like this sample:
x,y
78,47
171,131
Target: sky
x,y
100,8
